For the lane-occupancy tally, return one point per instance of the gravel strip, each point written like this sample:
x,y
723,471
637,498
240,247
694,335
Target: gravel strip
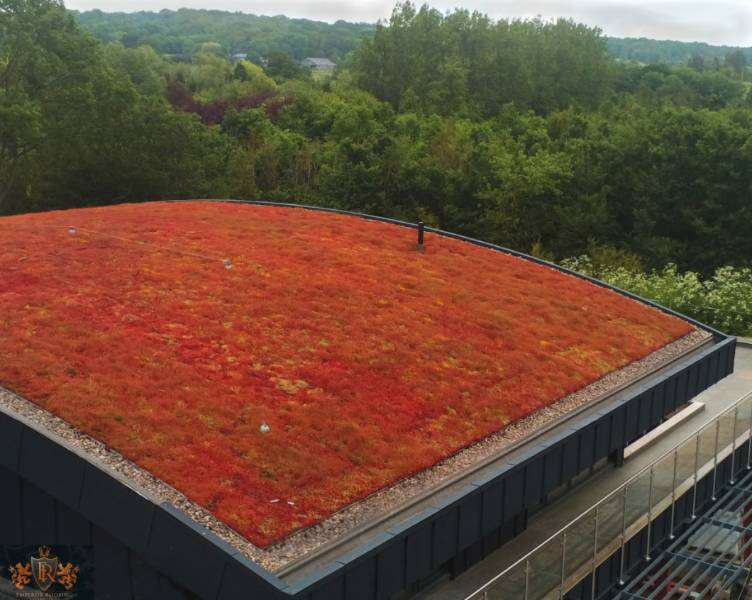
x,y
354,515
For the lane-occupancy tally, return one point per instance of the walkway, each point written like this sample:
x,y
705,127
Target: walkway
x,y
559,513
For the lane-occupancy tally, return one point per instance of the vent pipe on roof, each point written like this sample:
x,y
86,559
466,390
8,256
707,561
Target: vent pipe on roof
x,y
421,227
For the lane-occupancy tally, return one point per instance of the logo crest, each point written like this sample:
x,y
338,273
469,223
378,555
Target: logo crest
x,y
44,568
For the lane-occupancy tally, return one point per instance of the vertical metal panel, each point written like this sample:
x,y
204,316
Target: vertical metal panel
x,y
418,559
618,425
644,403
533,481
552,464
10,441
473,554
713,361
602,436
116,508
72,528
175,541
702,383
390,569
682,387
37,515
360,581
470,517
10,508
147,583
112,577
513,492
492,508
656,407
491,542
445,535
632,420
670,399
693,387
244,578
57,470
731,349
332,590
587,447
570,457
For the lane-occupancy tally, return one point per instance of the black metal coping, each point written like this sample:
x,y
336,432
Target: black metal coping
x,y
492,507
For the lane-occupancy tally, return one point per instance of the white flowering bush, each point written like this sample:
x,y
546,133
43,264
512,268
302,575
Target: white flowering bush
x,y
723,301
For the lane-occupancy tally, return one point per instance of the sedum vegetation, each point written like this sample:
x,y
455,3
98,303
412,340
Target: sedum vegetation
x,y
329,336
524,133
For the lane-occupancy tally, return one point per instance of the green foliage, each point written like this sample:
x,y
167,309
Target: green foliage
x,y
723,300
648,51
466,63
524,133
185,31
77,125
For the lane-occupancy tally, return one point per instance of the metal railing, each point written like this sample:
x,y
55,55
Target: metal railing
x,y
575,551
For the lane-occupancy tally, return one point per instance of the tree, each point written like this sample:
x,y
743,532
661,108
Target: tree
x,y
737,61
40,51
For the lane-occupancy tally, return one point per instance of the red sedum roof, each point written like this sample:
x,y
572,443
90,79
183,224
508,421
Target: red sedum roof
x,y
368,360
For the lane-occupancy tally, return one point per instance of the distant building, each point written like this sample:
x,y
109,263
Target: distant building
x,y
239,56
318,64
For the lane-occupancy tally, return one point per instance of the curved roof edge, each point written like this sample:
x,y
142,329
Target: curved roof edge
x,y
477,242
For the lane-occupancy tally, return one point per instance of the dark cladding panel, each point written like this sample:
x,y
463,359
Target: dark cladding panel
x,y
72,528
602,437
445,535
493,504
174,544
682,387
10,441
54,468
148,583
644,402
390,570
702,382
332,590
470,521
731,349
534,481
112,576
552,468
656,407
37,515
10,508
418,563
360,581
570,459
713,361
670,399
632,420
514,490
587,447
243,578
116,508
692,380
618,424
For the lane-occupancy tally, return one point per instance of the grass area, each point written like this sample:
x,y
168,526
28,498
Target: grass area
x,y
368,360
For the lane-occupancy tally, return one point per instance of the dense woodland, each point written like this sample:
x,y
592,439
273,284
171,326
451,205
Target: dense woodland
x,y
525,133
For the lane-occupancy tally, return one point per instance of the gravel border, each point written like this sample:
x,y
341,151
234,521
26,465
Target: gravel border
x,y
304,541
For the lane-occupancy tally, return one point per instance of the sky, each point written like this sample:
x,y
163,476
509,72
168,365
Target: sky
x,y
727,22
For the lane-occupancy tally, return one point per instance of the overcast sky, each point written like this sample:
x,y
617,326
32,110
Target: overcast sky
x,y
716,22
